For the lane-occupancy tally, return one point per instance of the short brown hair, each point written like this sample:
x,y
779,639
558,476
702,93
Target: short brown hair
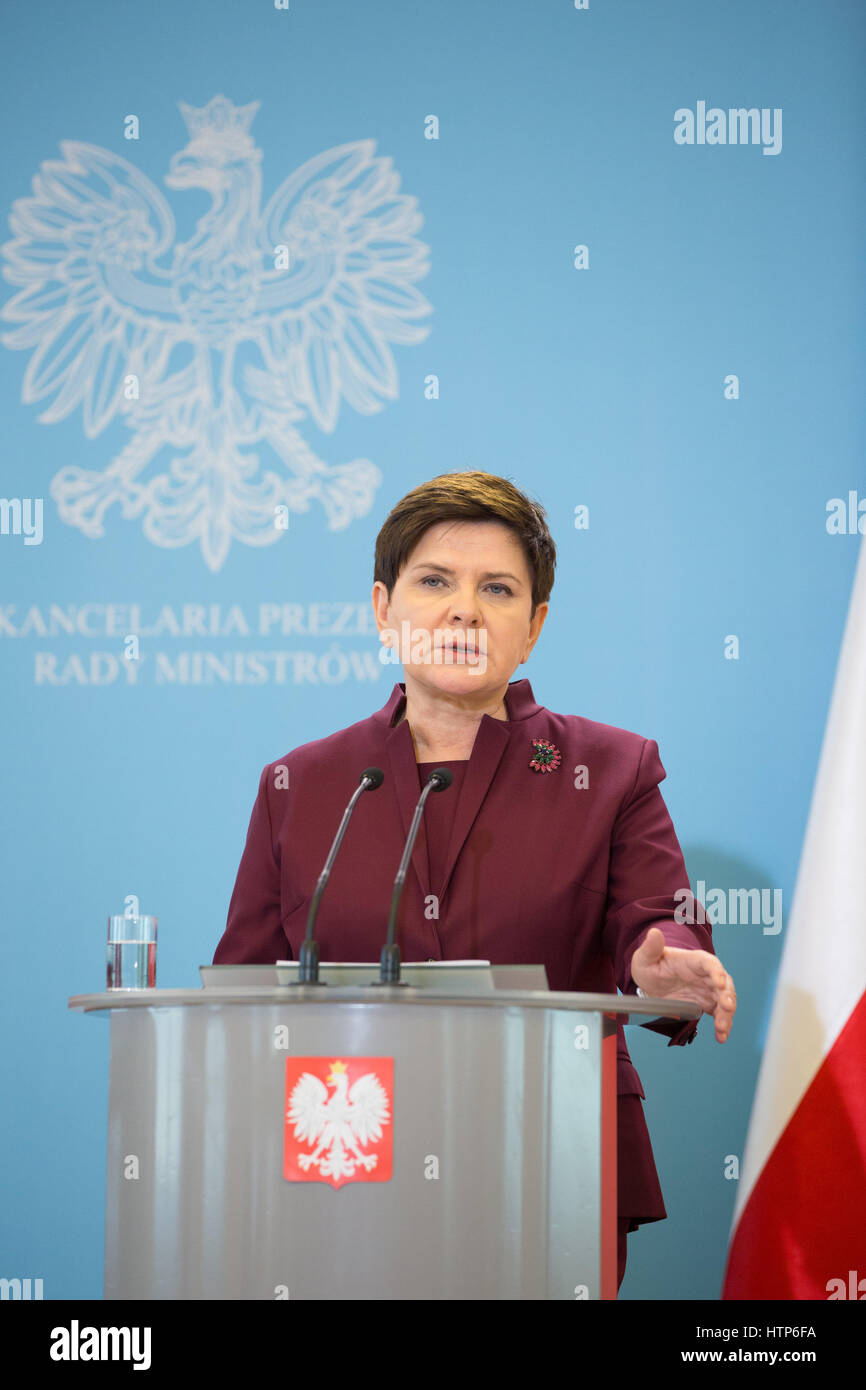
x,y
472,495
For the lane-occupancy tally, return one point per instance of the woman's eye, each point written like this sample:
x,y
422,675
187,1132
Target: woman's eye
x,y
437,580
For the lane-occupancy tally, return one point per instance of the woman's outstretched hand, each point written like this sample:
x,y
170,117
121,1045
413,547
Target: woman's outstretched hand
x,y
669,972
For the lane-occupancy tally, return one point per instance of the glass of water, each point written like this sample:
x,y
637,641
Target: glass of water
x,y
130,961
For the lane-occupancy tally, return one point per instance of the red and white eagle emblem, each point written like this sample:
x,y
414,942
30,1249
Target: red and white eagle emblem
x,y
338,1123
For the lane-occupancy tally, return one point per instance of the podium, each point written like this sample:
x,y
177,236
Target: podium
x,y
501,1125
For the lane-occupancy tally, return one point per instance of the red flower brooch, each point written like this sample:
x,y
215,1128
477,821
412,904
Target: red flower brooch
x,y
546,756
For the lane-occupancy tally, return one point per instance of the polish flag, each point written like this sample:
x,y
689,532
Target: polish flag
x,y
799,1229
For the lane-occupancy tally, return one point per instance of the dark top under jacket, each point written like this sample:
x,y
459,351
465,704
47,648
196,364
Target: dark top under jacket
x,y
536,869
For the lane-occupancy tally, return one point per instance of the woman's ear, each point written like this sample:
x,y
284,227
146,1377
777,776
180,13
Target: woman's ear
x,y
535,627
381,604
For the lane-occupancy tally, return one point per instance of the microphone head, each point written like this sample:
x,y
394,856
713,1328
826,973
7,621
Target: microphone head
x,y
375,777
441,778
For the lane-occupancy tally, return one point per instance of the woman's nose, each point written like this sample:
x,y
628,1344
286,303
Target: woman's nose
x,y
464,609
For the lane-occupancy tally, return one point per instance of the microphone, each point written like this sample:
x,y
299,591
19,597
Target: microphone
x,y
308,956
389,970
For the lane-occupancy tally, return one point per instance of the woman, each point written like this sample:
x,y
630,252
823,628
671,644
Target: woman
x,y
553,843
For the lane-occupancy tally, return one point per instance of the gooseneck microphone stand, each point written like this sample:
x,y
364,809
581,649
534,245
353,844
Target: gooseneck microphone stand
x,y
308,956
389,968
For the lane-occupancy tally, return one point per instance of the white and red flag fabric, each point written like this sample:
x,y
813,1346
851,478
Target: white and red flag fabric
x,y
799,1229
338,1122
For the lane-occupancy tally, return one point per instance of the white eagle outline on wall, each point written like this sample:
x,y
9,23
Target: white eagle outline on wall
x,y
340,1124
98,308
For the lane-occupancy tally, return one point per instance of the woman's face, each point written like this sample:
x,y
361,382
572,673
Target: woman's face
x,y
466,583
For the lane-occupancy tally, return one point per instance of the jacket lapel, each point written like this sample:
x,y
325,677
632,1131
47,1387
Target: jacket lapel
x,y
491,741
404,771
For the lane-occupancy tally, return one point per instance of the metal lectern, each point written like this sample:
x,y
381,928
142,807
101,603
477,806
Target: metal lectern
x,y
501,1131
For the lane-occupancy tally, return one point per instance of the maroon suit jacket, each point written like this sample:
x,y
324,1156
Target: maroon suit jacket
x,y
537,870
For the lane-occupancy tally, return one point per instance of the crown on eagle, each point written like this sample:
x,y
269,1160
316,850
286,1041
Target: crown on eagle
x,y
220,122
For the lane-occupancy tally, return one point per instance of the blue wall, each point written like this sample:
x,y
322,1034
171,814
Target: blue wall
x,y
603,386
